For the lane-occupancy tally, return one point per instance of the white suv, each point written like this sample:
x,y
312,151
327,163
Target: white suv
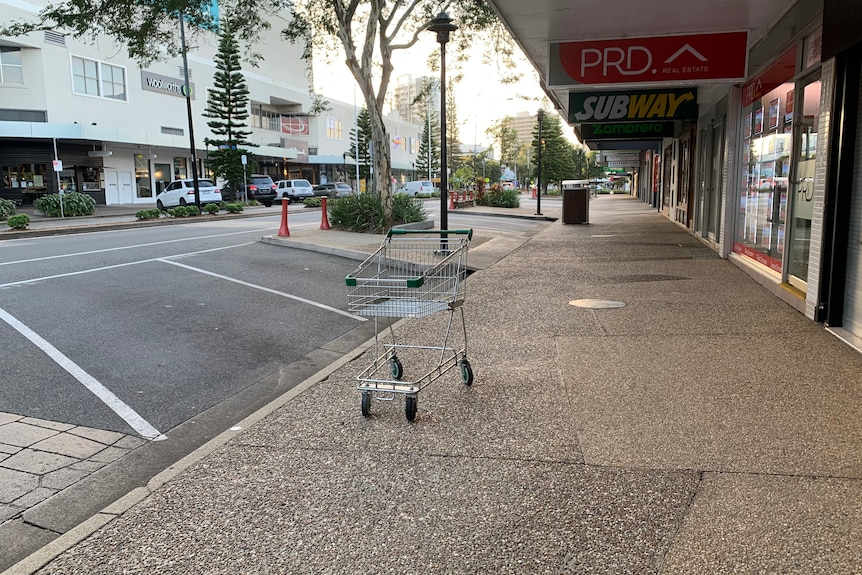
x,y
293,190
182,192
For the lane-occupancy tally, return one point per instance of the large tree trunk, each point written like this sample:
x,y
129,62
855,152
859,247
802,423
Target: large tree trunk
x,y
381,159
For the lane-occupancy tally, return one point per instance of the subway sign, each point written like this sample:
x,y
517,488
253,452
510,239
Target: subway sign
x,y
628,131
633,106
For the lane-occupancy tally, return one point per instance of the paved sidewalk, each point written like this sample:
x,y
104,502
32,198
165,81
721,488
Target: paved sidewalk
x,y
701,427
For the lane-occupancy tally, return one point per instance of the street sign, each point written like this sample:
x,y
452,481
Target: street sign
x,y
633,105
683,58
626,164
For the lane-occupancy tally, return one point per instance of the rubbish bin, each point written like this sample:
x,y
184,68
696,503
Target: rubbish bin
x,y
576,205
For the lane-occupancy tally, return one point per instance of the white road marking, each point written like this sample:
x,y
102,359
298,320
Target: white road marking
x,y
266,289
43,278
255,231
129,415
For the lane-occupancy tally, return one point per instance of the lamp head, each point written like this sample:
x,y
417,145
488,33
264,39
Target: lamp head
x,y
442,24
540,114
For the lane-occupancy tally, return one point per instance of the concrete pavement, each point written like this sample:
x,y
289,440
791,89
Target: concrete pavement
x,y
684,421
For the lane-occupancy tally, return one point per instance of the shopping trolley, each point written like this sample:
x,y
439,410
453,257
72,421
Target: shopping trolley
x,y
414,274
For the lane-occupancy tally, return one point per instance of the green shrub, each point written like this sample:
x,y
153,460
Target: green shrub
x,y
311,202
212,208
74,204
253,203
177,212
193,210
18,221
7,208
151,214
499,198
364,213
233,208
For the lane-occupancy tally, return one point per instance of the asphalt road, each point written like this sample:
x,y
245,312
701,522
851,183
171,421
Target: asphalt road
x,y
159,323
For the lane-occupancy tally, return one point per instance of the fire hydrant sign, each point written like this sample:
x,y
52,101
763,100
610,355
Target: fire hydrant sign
x,y
682,58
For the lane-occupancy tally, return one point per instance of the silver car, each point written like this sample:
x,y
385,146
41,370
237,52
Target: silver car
x,y
182,192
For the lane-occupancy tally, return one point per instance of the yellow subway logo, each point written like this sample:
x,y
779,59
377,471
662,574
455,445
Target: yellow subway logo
x,y
633,106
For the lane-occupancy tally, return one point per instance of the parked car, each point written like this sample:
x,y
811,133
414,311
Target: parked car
x,y
417,187
333,190
260,188
182,192
293,190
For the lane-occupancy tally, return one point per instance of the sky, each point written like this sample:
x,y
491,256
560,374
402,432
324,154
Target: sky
x,y
480,97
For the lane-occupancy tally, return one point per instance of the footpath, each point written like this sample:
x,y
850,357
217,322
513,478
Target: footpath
x,y
639,406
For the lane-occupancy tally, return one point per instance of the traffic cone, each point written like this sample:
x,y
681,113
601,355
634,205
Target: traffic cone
x,y
324,215
283,232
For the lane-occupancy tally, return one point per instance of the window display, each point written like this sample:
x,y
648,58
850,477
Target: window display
x,y
766,155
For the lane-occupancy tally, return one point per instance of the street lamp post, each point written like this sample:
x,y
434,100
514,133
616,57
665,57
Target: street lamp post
x,y
541,117
187,92
443,25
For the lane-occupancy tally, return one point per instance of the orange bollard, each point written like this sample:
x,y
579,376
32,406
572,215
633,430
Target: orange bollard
x,y
534,192
451,200
324,215
283,232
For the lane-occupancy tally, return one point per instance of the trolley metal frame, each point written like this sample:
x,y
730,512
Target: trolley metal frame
x,y
414,274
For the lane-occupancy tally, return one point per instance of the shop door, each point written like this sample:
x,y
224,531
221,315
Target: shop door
x,y
112,187
852,320
716,182
802,182
127,195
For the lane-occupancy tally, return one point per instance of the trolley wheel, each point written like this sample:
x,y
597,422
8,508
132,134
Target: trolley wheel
x,y
366,403
410,404
466,372
395,368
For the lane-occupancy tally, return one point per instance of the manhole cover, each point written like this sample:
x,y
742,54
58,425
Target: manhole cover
x,y
597,303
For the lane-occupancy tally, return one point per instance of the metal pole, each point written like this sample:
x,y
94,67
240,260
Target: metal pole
x,y
541,115
188,94
59,189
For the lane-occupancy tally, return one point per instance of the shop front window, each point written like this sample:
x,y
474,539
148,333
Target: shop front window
x,y
761,225
802,185
180,169
162,176
142,177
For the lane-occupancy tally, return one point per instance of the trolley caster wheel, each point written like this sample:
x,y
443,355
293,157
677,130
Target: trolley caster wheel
x,y
410,404
366,404
395,368
466,372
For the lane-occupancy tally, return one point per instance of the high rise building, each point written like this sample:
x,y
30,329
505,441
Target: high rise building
x,y
408,89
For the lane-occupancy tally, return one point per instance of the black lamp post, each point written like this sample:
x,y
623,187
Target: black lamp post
x,y
541,116
443,25
187,92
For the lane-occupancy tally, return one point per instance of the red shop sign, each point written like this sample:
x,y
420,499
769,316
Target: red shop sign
x,y
720,56
781,71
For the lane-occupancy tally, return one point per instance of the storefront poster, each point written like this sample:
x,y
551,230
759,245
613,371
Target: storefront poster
x,y
758,121
747,127
773,114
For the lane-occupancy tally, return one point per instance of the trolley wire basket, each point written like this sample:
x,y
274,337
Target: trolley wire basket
x,y
413,274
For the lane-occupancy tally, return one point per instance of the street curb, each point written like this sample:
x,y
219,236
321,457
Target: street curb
x,y
42,557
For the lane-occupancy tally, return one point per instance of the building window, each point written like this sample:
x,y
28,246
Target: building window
x,y
98,79
265,119
11,66
334,131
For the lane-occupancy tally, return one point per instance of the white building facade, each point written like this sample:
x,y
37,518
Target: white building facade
x,y
83,116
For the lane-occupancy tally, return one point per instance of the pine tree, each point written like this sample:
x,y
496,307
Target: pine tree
x,y
422,158
557,162
453,148
228,105
361,150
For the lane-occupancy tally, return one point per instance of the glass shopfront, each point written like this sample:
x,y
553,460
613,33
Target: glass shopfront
x,y
143,187
767,131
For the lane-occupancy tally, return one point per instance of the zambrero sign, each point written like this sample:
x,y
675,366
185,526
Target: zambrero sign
x,y
633,106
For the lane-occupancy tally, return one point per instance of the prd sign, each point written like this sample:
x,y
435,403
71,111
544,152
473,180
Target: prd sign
x,y
683,58
633,105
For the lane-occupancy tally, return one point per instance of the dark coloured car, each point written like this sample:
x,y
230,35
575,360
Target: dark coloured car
x,y
260,188
333,190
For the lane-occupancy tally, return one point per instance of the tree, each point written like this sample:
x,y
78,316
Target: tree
x,y
360,144
453,147
429,148
227,104
369,32
506,137
557,164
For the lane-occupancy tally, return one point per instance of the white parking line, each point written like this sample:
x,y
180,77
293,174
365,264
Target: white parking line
x,y
129,415
266,289
256,231
103,268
